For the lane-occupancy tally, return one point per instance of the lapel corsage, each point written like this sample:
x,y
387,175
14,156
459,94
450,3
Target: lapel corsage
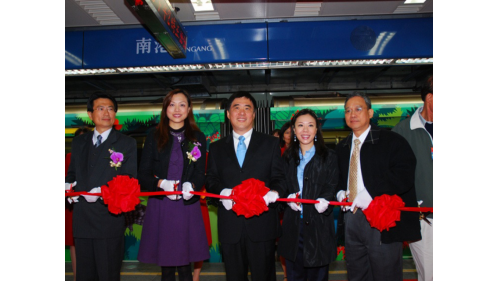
x,y
116,159
193,152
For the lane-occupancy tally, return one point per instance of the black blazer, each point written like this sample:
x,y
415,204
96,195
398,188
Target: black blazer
x,y
388,167
263,162
93,220
154,165
320,181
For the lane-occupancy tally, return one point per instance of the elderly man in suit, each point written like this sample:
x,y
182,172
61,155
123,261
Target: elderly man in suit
x,y
99,234
246,154
373,162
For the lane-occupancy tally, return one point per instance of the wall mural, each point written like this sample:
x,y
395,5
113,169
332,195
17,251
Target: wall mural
x,y
209,122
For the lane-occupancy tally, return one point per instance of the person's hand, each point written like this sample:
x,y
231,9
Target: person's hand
x,y
92,198
293,205
227,203
168,185
271,197
186,188
340,197
362,200
322,205
69,186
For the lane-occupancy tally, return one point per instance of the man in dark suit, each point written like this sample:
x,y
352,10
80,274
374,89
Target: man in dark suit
x,y
99,234
373,162
243,155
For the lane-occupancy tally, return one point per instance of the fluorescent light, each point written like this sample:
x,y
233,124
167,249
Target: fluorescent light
x,y
202,5
414,1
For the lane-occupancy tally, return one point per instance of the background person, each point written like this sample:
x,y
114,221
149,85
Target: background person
x,y
68,214
417,130
173,233
285,136
308,240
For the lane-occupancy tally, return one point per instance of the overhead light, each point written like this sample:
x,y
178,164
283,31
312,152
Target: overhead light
x,y
248,65
414,2
202,5
100,11
307,9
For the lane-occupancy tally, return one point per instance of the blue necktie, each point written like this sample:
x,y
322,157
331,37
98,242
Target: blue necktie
x,y
98,142
241,150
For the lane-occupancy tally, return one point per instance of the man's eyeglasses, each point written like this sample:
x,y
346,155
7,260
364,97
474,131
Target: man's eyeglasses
x,y
103,108
355,110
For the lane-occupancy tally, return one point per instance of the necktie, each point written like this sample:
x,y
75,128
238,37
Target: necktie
x,y
98,142
353,172
241,150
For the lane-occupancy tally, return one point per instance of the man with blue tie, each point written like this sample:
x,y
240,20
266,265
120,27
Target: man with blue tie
x,y
242,155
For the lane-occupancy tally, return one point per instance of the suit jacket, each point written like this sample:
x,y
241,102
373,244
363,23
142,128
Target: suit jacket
x,y
388,167
154,165
263,162
93,220
320,181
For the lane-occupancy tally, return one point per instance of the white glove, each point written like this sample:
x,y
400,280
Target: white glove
x,y
362,200
92,198
294,206
227,203
341,196
322,205
271,197
168,185
68,186
186,188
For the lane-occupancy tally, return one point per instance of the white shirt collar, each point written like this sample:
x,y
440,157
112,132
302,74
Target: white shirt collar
x,y
362,137
104,135
236,137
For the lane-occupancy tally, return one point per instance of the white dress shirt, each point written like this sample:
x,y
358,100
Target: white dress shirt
x,y
104,135
236,140
362,137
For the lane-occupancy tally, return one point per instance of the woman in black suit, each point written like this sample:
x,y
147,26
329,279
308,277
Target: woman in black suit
x,y
308,241
173,158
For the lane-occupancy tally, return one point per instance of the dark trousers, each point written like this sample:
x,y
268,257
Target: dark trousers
x,y
366,257
295,271
99,259
258,255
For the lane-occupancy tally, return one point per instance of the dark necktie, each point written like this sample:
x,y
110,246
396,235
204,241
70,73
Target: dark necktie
x,y
98,142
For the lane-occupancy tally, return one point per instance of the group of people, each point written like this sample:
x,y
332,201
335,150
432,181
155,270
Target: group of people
x,y
370,162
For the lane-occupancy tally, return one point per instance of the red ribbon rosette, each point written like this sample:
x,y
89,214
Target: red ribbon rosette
x,y
383,212
248,198
121,194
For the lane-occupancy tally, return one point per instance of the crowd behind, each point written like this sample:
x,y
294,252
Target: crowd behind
x,y
293,162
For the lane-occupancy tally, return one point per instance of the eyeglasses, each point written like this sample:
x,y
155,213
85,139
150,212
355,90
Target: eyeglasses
x,y
103,108
355,110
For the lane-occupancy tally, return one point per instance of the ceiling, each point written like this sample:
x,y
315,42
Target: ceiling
x,y
375,80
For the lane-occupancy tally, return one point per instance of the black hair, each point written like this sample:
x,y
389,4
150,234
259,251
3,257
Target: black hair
x,y
282,133
100,95
361,95
293,150
274,132
241,94
426,87
81,130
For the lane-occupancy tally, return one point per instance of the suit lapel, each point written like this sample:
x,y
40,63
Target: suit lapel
x,y
229,148
253,148
100,165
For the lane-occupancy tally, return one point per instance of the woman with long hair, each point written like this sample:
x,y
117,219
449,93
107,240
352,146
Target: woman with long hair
x,y
173,159
308,240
